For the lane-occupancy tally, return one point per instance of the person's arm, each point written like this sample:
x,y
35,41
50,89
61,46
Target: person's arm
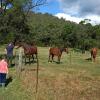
x,y
6,67
7,70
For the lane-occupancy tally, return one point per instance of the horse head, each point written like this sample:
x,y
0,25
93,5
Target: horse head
x,y
64,50
19,44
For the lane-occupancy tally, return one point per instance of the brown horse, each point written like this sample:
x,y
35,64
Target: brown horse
x,y
29,50
93,54
56,52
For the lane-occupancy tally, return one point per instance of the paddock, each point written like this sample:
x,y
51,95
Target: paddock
x,y
75,80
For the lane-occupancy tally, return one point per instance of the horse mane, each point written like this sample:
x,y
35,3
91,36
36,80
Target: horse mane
x,y
61,49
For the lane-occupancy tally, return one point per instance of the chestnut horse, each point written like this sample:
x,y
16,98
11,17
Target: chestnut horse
x,y
56,52
93,54
29,50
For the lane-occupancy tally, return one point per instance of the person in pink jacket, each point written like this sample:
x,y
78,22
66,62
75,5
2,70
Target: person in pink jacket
x,y
3,71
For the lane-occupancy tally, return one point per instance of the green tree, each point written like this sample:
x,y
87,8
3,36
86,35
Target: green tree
x,y
14,16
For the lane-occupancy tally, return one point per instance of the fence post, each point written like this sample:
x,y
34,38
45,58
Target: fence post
x,y
70,58
18,61
37,74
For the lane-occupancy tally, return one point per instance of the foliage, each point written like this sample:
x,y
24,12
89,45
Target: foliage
x,y
48,30
14,16
19,22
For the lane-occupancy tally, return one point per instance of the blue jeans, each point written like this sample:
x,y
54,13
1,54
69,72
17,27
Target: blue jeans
x,y
2,77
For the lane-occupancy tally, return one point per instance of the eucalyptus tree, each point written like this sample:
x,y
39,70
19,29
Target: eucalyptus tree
x,y
14,15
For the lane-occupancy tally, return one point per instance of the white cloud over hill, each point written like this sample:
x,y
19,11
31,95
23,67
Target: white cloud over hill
x,y
95,19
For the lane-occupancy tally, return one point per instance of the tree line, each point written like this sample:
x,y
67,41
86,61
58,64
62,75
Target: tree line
x,y
20,23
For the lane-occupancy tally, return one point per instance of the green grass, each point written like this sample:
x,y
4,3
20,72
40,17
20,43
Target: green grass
x,y
75,80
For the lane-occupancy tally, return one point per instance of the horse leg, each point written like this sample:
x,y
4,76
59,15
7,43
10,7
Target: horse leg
x,y
36,55
33,57
94,58
29,59
91,55
25,59
49,58
91,58
52,57
59,59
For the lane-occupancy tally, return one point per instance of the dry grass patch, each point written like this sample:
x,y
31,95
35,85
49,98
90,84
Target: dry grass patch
x,y
63,86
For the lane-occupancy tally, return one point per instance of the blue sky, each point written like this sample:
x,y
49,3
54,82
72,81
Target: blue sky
x,y
73,10
52,7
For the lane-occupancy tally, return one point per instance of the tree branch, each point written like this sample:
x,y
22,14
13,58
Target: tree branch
x,y
36,4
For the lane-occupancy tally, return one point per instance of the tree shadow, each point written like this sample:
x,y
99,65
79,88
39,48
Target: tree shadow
x,y
12,65
56,62
31,62
8,80
88,59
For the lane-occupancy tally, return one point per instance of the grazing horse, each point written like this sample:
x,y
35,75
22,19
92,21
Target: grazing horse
x,y
29,50
93,54
56,52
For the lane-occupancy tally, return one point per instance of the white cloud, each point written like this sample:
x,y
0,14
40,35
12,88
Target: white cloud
x,y
78,10
68,17
80,7
95,19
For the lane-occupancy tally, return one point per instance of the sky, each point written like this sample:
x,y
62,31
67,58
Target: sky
x,y
73,10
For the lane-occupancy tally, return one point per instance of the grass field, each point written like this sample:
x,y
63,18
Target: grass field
x,y
74,79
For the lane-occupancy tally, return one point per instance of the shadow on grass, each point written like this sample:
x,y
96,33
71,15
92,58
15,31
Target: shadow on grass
x,y
56,62
8,81
31,62
88,59
12,65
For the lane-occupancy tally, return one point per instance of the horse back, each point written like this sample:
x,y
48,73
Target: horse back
x,y
54,51
34,49
30,50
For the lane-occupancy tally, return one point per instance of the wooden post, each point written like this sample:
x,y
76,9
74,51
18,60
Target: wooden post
x,y
70,57
37,74
18,61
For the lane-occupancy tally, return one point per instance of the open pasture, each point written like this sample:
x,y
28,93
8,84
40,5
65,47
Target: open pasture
x,y
75,78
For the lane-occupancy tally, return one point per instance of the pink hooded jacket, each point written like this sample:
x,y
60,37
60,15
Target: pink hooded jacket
x,y
3,66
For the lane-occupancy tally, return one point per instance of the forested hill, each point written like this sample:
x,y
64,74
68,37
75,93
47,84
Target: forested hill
x,y
48,30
